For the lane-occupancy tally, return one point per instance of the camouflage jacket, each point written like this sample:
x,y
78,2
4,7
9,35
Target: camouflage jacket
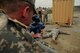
x,y
13,37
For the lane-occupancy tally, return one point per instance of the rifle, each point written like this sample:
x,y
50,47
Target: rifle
x,y
39,45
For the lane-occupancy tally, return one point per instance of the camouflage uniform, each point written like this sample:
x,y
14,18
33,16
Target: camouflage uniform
x,y
13,37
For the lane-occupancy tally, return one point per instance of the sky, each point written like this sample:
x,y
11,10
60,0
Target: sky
x,y
48,3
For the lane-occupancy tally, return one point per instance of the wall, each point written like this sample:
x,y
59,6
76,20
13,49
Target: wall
x,y
63,11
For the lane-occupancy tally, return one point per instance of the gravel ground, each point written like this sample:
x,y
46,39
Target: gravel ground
x,y
67,43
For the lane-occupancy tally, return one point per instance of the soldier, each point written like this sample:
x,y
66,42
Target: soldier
x,y
13,35
40,13
45,14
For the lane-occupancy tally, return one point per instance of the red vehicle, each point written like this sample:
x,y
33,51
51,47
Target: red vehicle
x,y
19,9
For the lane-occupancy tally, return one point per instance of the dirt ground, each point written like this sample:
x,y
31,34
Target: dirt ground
x,y
67,43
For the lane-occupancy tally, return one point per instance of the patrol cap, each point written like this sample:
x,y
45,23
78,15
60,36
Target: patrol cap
x,y
31,1
32,4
